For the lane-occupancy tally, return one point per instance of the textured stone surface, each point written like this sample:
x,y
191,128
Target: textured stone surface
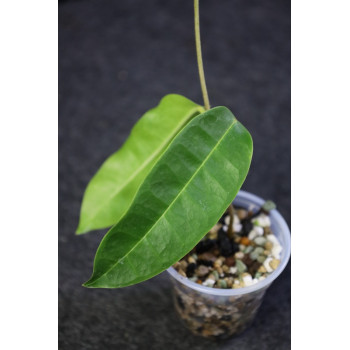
x,y
117,59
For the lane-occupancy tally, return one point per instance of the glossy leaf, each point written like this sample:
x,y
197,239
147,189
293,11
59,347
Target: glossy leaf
x,y
183,196
110,192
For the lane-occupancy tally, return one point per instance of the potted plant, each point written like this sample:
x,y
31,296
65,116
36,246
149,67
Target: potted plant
x,y
167,193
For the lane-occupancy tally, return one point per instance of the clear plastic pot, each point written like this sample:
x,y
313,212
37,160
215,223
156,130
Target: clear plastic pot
x,y
222,313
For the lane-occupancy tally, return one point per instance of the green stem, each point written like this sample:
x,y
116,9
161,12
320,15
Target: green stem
x,y
199,55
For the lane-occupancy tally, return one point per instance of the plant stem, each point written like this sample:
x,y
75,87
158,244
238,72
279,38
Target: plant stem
x,y
230,231
199,55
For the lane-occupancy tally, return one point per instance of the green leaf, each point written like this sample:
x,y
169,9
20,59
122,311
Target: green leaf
x,y
183,196
112,189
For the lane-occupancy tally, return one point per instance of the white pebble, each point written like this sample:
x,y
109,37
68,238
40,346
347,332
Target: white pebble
x,y
237,227
239,255
276,248
273,239
255,280
232,270
261,278
262,220
267,264
209,282
224,228
252,234
260,240
247,280
259,230
276,251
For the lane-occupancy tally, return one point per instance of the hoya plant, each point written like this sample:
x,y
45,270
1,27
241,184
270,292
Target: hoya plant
x,y
166,187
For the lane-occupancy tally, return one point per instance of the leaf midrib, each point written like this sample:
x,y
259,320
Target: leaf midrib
x,y
174,200
148,160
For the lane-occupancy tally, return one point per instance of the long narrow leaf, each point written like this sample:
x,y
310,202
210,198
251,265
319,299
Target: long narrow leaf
x,y
183,196
110,192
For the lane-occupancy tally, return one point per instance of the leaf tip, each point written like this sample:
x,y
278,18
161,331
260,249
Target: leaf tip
x,y
82,228
88,284
79,231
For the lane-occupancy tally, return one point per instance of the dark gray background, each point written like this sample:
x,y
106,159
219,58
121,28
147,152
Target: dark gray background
x,y
116,60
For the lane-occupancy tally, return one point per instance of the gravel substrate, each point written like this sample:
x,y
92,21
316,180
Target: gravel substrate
x,y
243,260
